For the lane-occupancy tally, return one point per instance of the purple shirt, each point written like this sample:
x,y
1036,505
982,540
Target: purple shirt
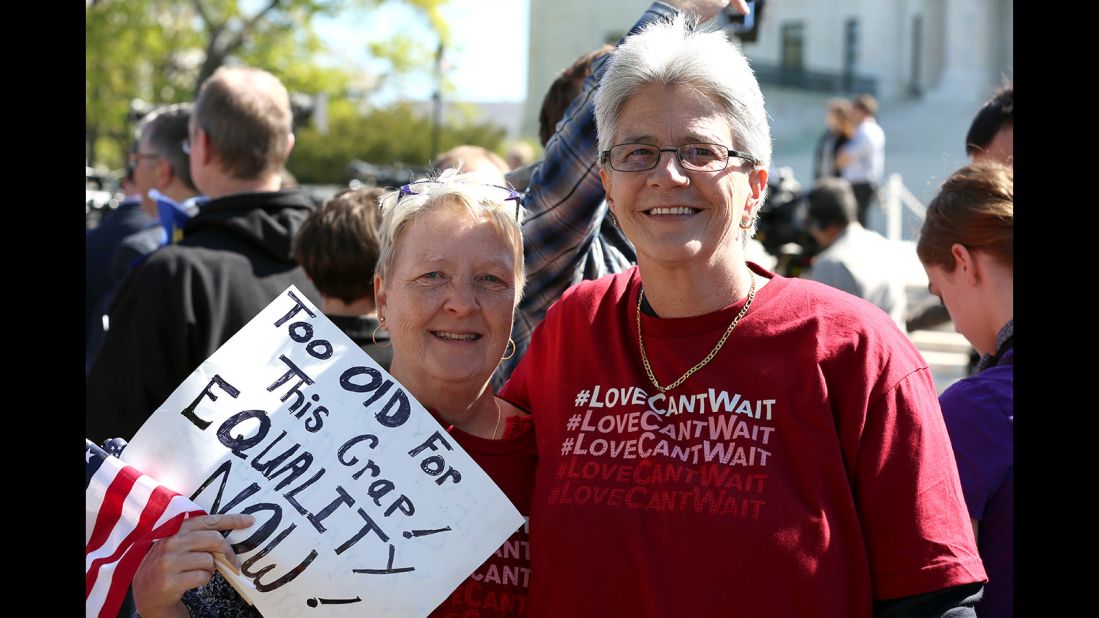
x,y
979,414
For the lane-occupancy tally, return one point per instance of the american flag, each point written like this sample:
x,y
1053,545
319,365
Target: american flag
x,y
125,511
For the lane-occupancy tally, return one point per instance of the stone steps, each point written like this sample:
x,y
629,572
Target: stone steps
x,y
940,341
946,352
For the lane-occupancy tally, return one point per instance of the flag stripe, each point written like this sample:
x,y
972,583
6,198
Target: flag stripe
x,y
126,511
118,495
133,506
158,500
177,506
109,587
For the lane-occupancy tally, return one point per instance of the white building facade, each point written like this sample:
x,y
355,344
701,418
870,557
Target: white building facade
x,y
895,49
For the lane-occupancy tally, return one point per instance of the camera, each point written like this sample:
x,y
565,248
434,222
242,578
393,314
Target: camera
x,y
745,27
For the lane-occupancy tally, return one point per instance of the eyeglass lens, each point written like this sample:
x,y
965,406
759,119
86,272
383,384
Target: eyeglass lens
x,y
640,157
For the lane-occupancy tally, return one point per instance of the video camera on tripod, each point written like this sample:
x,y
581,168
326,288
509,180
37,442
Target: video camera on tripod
x,y
783,227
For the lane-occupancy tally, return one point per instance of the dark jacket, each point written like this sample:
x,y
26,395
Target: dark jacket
x,y
187,299
99,248
133,250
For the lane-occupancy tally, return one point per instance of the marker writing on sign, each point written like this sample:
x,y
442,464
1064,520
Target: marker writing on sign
x,y
389,567
411,533
315,602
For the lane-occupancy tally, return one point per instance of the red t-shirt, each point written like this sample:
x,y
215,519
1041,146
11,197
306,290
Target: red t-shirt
x,y
805,471
498,588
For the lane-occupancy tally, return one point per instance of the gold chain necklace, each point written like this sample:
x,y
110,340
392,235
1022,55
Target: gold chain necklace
x,y
496,429
709,357
499,417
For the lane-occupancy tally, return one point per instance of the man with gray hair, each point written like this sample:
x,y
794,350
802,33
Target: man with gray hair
x,y
234,258
157,164
167,192
163,133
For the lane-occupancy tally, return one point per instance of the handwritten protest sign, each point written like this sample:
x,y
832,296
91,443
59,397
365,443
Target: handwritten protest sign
x,y
363,503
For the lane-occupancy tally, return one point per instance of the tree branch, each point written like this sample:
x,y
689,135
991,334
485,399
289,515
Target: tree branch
x,y
220,47
246,29
203,15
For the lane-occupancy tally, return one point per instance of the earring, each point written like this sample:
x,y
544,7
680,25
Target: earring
x,y
374,338
511,342
745,224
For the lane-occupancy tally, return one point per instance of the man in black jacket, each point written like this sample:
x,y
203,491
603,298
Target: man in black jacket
x,y
235,256
99,245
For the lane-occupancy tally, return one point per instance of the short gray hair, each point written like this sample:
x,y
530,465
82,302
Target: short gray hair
x,y
449,188
678,52
166,128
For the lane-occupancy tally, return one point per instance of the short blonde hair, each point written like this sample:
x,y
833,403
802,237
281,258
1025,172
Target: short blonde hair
x,y
450,188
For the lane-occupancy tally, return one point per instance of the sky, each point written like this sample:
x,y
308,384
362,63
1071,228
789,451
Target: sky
x,y
487,60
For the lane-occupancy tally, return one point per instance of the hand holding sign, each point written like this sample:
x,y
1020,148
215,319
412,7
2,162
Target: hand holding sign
x,y
184,561
362,501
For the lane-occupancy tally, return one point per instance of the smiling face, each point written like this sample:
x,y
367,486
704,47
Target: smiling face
x,y
674,216
448,299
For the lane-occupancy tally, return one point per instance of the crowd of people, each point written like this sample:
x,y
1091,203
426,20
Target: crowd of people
x,y
781,450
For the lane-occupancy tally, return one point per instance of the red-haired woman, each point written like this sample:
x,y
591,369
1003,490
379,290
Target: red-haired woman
x,y
966,248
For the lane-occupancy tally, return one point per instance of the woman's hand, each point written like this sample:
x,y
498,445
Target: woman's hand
x,y
184,561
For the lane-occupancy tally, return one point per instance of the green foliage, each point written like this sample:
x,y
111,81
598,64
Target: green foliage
x,y
133,50
430,9
161,50
404,53
395,135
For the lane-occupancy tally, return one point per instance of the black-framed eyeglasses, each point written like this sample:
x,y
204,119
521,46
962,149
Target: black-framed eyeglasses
x,y
508,192
694,157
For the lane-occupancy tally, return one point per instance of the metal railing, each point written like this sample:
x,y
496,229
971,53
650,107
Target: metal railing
x,y
894,197
814,81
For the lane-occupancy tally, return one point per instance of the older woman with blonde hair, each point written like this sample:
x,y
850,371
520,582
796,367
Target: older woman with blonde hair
x,y
449,275
966,247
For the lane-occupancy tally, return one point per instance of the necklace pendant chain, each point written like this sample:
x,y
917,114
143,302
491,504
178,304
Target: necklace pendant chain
x,y
704,361
499,417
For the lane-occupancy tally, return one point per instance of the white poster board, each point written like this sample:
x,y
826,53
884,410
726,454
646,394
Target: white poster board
x,y
364,504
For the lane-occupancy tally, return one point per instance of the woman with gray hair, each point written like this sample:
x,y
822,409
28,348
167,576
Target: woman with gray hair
x,y
713,438
449,275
